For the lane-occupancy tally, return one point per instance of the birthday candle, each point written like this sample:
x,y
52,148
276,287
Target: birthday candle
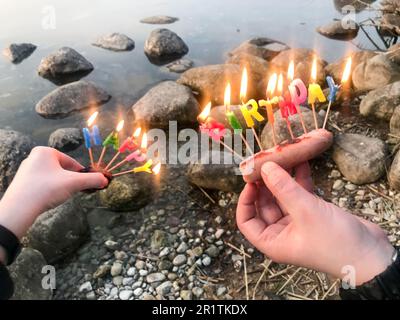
x,y
144,168
113,140
284,106
93,136
315,92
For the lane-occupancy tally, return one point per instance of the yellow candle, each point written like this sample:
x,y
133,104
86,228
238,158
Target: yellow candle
x,y
145,168
249,114
315,92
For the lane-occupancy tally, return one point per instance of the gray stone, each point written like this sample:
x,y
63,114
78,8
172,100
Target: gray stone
x,y
17,52
102,271
86,287
394,173
116,269
179,260
197,292
338,185
66,139
26,273
212,251
71,98
182,247
206,261
64,65
164,288
262,47
395,122
155,277
14,148
186,294
137,292
180,65
117,280
125,294
376,72
159,239
159,20
163,46
165,265
209,175
335,30
168,101
380,103
115,42
359,158
127,193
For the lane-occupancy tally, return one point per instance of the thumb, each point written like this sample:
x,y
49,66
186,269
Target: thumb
x,y
91,180
291,196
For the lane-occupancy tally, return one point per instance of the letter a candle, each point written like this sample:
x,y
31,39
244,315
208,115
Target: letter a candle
x,y
111,140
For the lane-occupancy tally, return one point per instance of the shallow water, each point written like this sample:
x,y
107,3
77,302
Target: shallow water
x,y
210,28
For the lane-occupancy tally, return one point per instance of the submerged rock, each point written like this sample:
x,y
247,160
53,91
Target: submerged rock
x,y
281,129
360,159
14,148
65,65
380,103
66,139
127,193
376,72
180,65
394,173
70,98
159,20
168,101
115,42
27,274
335,30
224,177
59,232
261,47
17,52
163,46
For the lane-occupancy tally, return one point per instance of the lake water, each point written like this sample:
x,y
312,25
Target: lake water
x,y
210,28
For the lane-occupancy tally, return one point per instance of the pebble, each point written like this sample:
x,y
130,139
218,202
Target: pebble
x,y
212,251
138,292
197,292
221,291
91,295
164,288
206,261
338,185
120,255
186,294
102,271
335,174
182,248
117,281
116,269
155,277
164,252
219,233
143,273
351,187
86,287
131,272
125,294
342,202
140,264
112,245
179,260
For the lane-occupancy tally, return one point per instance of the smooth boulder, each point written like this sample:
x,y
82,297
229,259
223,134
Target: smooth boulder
x,y
70,98
159,20
395,122
394,173
164,46
115,42
168,101
335,30
128,193
376,72
59,232
262,47
28,277
63,66
66,139
218,176
380,103
14,148
360,159
17,52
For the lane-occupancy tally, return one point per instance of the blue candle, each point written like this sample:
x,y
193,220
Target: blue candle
x,y
333,89
93,136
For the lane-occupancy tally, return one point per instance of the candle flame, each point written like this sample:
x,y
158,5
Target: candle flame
x,y
280,85
205,113
290,73
92,118
347,70
227,96
314,71
272,84
243,86
156,169
144,141
120,125
137,132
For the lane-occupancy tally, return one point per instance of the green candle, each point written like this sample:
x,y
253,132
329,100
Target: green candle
x,y
113,140
234,122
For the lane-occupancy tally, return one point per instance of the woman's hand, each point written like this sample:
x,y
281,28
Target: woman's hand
x,y
44,180
283,218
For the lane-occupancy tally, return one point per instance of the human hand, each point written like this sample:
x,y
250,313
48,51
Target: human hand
x,y
286,221
44,180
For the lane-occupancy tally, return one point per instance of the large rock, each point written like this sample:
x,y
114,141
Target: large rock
x,y
261,47
395,122
115,42
17,52
14,147
159,20
303,59
356,5
390,23
163,46
359,158
168,101
281,129
394,173
70,98
59,231
64,65
27,276
380,103
66,139
335,30
376,72
127,193
335,69
394,53
221,176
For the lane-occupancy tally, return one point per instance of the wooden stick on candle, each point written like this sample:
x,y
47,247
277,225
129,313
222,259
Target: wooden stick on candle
x,y
91,157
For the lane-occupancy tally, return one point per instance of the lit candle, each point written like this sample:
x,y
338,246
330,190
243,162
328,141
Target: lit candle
x,y
267,103
298,93
284,105
315,92
91,136
334,88
146,168
111,140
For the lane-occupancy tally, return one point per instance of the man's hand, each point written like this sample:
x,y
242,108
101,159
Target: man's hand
x,y
283,218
